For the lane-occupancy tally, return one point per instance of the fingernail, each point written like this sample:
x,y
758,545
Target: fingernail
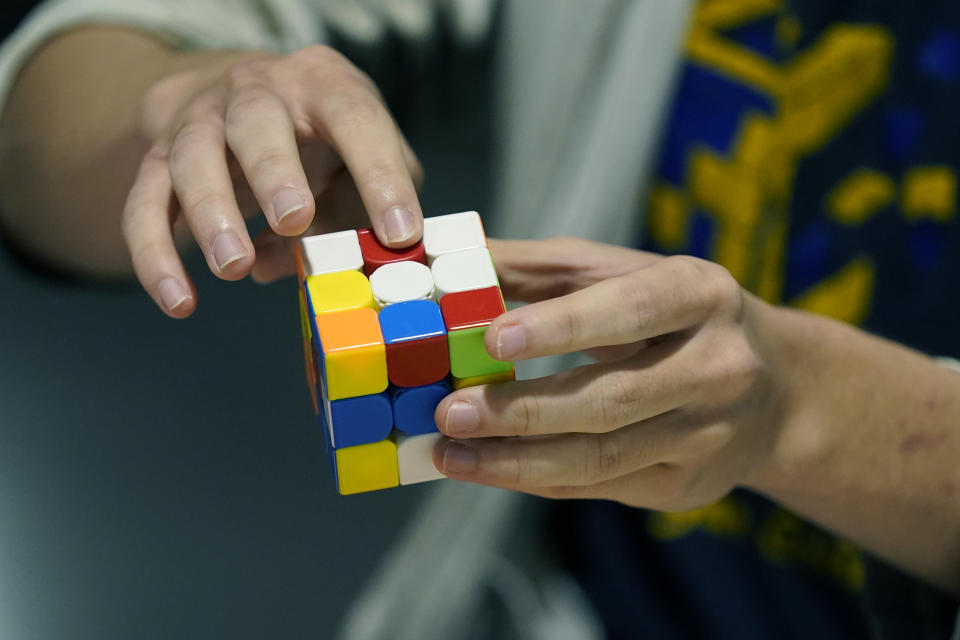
x,y
459,458
399,224
510,342
172,293
227,249
461,419
287,201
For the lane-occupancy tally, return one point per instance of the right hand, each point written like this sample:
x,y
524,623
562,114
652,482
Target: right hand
x,y
269,133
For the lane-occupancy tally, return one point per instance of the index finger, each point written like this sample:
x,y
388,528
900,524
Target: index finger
x,y
362,131
535,270
673,294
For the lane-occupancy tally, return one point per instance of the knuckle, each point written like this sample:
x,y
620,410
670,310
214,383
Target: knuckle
x,y
740,367
202,201
320,54
378,172
523,472
569,330
687,268
723,291
527,415
349,110
635,297
246,103
266,163
244,72
614,402
145,251
192,135
603,460
156,153
711,283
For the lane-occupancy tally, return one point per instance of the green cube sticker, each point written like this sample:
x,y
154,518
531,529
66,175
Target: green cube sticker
x,y
468,356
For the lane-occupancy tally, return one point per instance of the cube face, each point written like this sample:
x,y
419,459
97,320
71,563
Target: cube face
x,y
454,232
346,330
418,362
469,357
375,255
401,282
415,458
379,352
413,408
463,271
468,309
411,320
358,420
367,467
330,253
353,352
342,291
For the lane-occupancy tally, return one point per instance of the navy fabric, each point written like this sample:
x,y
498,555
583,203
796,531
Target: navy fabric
x,y
829,130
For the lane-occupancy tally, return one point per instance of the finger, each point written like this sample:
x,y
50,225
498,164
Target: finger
x,y
261,136
670,295
535,270
659,487
201,179
588,399
149,237
361,130
575,459
338,207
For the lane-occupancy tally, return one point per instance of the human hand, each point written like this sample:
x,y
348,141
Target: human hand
x,y
682,405
260,132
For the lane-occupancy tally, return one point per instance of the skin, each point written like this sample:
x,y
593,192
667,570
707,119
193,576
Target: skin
x,y
698,387
159,146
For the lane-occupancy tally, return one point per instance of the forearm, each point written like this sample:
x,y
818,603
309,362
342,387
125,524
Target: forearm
x,y
71,138
870,444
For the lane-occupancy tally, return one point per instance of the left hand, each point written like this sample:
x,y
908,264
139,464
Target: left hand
x,y
682,405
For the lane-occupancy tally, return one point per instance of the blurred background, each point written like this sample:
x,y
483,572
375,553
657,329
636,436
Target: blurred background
x,y
167,479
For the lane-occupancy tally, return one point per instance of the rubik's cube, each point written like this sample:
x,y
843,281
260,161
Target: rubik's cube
x,y
387,334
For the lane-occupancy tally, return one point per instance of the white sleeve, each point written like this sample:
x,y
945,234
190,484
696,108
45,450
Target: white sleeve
x,y
187,24
274,25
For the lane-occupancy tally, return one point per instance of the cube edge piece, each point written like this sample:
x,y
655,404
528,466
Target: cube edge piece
x,y
348,386
453,280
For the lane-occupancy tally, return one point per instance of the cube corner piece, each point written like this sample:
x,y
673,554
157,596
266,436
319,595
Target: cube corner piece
x,y
367,467
415,458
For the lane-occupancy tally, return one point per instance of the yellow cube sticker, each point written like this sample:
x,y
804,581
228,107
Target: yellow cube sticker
x,y
367,467
340,291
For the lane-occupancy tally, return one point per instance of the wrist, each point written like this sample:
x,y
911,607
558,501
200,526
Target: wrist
x,y
796,350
